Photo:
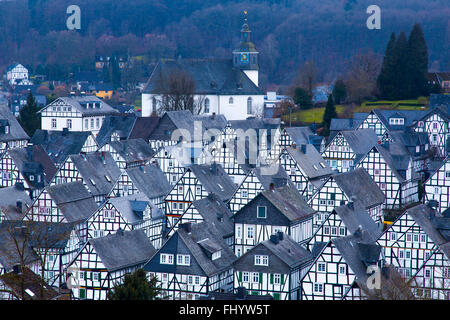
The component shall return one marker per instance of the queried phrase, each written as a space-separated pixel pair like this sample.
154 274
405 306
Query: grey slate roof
33 159
171 121
211 76
290 203
133 150
9 197
272 174
92 167
215 180
310 161
60 144
359 186
437 228
410 116
115 124
77 101
125 206
360 141
16 132
143 128
289 251
9 254
357 217
299 135
217 214
201 232
149 180
359 252
123 249
74 201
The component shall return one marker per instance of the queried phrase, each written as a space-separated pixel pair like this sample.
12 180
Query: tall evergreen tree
330 113
29 118
401 69
302 98
417 62
339 91
385 80
135 286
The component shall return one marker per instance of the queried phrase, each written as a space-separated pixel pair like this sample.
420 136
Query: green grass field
316 114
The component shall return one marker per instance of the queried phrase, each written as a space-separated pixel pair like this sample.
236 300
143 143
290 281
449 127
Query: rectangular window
321 267
244 194
92 123
166 258
318 287
245 277
97 123
255 278
261 260
342 270
53 123
250 232
69 123
262 212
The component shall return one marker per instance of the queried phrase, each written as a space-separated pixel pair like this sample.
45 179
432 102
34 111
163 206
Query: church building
222 86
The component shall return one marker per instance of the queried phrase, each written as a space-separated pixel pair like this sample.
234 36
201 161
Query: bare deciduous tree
177 92
361 78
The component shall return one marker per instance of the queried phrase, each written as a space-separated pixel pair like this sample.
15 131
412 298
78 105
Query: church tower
245 56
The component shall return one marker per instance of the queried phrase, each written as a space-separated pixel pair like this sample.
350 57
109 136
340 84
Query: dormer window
216 255
397 121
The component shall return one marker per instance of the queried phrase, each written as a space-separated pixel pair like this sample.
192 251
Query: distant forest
286 32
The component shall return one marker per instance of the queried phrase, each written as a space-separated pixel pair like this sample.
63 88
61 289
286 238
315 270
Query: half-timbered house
346 148
103 262
193 262
257 180
437 187
29 165
278 209
171 164
413 238
391 168
196 183
12 134
146 179
59 145
98 172
274 266
306 168
127 213
344 221
356 185
129 153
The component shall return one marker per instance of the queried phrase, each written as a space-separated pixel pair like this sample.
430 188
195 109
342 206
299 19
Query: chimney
294 146
186 227
19 186
213 116
274 238
272 186
213 168
280 235
386 144
240 293
30 153
102 156
17 269
19 206
303 148
351 205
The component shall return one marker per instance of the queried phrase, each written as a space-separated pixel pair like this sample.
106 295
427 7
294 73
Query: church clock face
244 57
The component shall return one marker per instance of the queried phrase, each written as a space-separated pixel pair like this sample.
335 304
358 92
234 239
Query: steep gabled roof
205 232
215 180
74 201
217 214
123 249
133 150
356 217
359 186
289 202
16 132
59 145
143 127
94 167
310 161
149 180
119 124
211 76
